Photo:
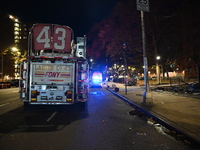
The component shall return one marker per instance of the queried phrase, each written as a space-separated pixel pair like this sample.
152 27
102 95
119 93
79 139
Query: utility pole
143 5
145 62
2 67
125 65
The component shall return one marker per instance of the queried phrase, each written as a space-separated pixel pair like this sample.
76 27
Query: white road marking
102 93
51 116
15 91
4 104
36 126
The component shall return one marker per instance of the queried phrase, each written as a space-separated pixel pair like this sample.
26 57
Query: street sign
143 5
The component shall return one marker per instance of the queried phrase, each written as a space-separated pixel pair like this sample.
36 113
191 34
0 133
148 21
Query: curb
184 137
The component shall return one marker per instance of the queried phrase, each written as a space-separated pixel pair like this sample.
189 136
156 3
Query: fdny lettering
44 67
52 74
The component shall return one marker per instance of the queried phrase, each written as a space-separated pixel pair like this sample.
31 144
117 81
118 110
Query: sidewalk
182 112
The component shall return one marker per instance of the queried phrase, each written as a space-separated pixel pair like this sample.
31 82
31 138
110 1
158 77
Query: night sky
80 15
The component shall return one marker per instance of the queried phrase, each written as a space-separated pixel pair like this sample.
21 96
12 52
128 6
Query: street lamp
158 57
2 67
14 49
91 60
157 69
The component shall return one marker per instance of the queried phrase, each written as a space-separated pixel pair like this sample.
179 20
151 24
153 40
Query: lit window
16 32
16 29
16 41
16 24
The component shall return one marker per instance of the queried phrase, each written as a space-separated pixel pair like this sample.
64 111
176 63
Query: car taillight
34 95
68 96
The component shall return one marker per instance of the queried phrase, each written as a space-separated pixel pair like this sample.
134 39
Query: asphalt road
104 124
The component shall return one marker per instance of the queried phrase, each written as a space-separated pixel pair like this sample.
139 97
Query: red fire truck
56 70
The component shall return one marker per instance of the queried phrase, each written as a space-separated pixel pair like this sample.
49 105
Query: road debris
141 133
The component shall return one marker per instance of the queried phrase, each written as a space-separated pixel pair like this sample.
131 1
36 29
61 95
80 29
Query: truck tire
78 107
26 106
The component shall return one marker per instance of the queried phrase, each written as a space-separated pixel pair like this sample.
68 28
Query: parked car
193 87
150 78
141 78
8 84
129 82
15 82
2 85
154 78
